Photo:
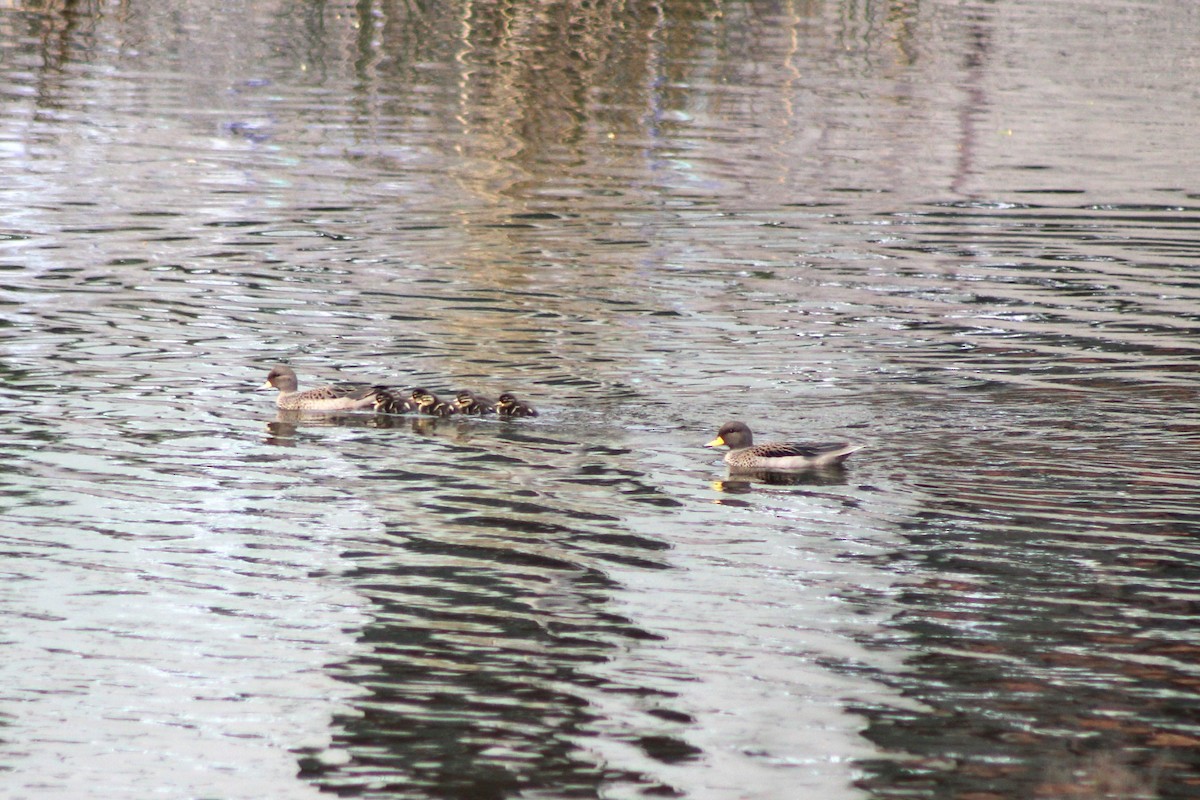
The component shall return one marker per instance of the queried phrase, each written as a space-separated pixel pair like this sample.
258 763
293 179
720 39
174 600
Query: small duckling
467 402
430 404
389 402
509 407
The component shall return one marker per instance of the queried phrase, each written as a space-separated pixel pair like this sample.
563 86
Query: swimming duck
745 455
432 405
509 407
467 402
333 397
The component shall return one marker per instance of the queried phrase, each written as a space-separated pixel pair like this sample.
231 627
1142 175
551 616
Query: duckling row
383 400
423 401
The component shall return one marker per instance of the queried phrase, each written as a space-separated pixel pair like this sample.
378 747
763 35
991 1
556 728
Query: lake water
965 233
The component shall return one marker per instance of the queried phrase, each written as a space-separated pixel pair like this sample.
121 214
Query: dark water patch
515 506
487 658
1021 667
479 679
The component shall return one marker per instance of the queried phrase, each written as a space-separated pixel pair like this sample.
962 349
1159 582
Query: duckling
333 397
745 455
467 402
432 405
509 407
389 402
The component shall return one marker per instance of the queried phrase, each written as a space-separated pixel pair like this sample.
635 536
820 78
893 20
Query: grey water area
963 233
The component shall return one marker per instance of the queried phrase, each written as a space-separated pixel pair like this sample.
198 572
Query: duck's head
281 377
734 435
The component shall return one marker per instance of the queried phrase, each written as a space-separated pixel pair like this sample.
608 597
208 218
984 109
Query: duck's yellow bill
266 385
717 442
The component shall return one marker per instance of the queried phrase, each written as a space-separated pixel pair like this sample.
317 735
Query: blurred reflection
743 482
485 666
286 425
1054 630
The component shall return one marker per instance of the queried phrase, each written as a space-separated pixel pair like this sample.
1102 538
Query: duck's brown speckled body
332 397
745 455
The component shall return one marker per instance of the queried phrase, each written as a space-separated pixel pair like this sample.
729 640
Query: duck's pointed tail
839 454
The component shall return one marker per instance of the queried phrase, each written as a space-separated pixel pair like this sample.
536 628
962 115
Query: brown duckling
430 404
509 407
467 402
390 402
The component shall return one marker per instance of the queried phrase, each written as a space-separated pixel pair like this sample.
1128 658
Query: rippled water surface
965 234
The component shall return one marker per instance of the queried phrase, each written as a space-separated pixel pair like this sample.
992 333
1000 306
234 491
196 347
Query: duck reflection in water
284 429
742 482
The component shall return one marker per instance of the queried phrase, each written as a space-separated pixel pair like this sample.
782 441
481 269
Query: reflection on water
744 481
489 590
962 231
478 667
1034 672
